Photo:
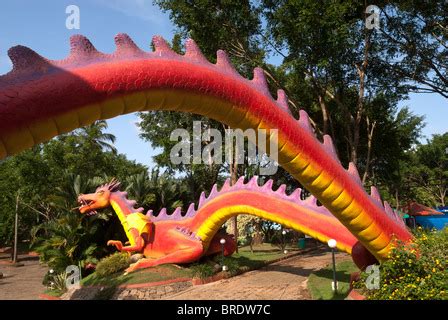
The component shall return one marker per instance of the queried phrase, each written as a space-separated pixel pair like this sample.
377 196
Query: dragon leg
189 253
137 246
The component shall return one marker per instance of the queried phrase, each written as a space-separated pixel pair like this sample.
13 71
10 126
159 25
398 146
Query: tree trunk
16 227
233 179
361 69
325 118
397 200
370 131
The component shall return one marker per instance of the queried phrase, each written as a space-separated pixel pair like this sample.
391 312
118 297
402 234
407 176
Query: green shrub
416 272
56 282
112 264
233 267
203 270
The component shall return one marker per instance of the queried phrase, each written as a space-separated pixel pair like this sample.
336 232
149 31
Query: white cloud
142 9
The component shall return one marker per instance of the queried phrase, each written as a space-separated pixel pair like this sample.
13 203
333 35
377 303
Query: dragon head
98 200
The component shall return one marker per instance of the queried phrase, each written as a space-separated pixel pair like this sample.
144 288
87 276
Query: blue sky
40 25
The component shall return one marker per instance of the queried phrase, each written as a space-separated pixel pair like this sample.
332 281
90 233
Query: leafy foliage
203 270
58 283
66 241
417 272
112 264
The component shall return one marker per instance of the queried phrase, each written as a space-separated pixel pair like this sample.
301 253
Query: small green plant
112 264
417 272
57 282
202 270
232 265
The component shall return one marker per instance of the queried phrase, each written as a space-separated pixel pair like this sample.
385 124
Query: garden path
283 280
21 283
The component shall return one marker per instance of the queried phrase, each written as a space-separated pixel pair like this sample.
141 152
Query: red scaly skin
40 99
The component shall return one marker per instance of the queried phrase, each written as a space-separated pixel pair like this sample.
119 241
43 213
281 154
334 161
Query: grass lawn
245 259
319 282
155 274
260 256
53 293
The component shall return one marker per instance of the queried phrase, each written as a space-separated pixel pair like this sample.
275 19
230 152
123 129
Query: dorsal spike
240 181
191 211
177 213
259 80
268 185
141 209
282 100
193 52
82 48
223 62
296 195
304 121
25 59
311 200
213 192
329 146
399 218
253 182
162 213
125 45
375 195
161 47
226 185
353 171
201 199
281 189
390 212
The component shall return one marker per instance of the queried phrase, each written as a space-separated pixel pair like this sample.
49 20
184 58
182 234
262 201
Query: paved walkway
21 283
284 280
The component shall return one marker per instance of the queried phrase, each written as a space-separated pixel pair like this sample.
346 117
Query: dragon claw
115 243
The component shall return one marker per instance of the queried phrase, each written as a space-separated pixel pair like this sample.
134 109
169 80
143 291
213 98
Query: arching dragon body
40 99
184 238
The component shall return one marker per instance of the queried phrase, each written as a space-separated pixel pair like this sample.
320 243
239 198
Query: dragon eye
100 192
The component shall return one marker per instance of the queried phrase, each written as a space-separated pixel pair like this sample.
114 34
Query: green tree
94 135
429 174
230 25
50 176
416 33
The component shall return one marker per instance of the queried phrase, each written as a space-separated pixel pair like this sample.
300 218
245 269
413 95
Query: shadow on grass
320 282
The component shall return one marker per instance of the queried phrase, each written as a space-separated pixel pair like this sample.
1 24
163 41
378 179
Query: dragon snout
86 205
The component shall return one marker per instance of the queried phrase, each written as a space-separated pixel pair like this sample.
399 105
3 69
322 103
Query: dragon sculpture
177 238
41 98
